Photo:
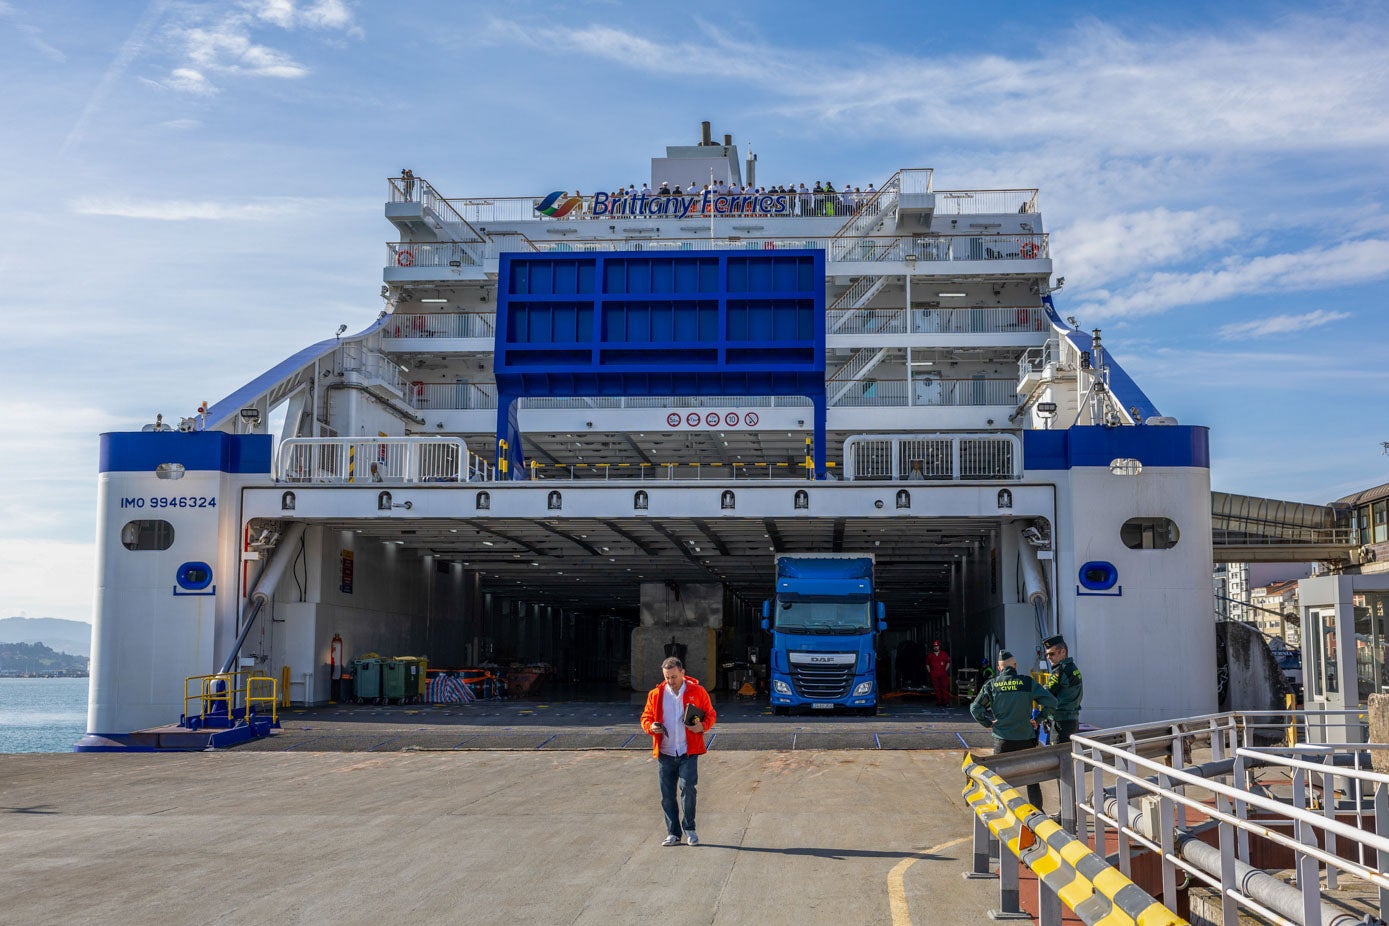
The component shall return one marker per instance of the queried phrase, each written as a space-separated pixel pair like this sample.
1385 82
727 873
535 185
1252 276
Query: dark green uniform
1004 705
1065 683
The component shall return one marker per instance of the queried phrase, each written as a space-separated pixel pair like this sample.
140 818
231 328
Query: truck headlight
781 687
862 688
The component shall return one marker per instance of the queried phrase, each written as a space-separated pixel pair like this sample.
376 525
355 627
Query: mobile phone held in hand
657 727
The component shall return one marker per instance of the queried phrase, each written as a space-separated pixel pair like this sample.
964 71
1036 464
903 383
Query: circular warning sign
692 419
731 419
712 419
673 419
752 419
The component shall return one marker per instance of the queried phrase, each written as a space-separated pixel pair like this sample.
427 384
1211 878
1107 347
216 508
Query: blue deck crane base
638 323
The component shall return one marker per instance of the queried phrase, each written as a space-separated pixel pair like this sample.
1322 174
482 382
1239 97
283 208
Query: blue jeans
684 769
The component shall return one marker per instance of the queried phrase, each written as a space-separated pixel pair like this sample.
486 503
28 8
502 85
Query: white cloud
187 80
228 49
1337 265
262 209
181 125
1094 252
1295 84
33 35
223 45
1280 324
172 210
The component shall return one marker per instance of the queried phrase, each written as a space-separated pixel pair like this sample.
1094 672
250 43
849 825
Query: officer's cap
1057 640
1004 655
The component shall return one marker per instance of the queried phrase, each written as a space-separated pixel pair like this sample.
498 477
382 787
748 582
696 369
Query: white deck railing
332 460
932 457
450 325
372 366
965 320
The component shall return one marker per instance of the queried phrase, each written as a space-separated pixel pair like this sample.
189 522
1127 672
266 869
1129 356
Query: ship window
1149 533
147 535
1379 512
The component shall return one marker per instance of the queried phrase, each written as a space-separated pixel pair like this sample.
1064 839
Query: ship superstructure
584 422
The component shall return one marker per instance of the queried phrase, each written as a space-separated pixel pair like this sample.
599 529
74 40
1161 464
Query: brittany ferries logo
547 205
650 204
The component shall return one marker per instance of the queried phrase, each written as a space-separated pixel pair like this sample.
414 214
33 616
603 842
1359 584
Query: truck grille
822 683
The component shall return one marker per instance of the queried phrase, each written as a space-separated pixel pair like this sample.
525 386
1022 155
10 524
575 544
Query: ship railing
934 457
417 189
871 248
479 211
715 471
985 202
405 254
1208 800
372 366
363 461
462 396
227 698
1312 795
953 320
442 325
867 212
1036 361
483 396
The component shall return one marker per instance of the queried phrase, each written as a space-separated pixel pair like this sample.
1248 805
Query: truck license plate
822 706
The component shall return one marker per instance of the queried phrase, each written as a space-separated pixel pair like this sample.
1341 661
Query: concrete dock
532 835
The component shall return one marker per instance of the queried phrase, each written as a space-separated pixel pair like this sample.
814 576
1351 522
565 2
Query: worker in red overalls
938 664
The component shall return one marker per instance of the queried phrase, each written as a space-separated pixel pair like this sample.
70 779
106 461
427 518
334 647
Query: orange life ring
405 259
1028 250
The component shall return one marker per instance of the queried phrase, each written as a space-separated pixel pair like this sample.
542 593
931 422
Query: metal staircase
854 369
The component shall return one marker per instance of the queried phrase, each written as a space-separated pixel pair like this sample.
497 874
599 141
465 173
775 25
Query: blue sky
194 190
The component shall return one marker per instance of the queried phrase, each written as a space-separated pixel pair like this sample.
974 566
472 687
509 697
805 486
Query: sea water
42 714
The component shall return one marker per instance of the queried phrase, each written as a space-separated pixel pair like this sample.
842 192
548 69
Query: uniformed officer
1065 683
1004 705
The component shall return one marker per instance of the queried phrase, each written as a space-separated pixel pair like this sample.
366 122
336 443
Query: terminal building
583 426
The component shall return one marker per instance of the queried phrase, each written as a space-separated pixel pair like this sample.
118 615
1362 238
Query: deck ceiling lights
433 300
950 295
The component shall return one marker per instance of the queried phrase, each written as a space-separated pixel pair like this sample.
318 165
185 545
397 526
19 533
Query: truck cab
824 623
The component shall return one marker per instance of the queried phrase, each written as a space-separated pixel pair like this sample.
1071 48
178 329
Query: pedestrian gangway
1246 529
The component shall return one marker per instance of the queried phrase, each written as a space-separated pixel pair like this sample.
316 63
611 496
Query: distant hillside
37 659
62 635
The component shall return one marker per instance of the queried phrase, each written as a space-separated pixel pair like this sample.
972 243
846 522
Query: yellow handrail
232 689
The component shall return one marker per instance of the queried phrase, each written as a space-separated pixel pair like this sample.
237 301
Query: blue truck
824 623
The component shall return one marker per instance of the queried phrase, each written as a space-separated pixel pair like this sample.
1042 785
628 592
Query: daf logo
822 659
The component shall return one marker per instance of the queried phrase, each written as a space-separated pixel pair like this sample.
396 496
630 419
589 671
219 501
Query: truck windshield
809 615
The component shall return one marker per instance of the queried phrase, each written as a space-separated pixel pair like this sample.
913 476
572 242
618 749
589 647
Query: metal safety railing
225 699
1318 805
451 325
872 248
932 457
1208 802
1009 831
365 461
714 471
963 320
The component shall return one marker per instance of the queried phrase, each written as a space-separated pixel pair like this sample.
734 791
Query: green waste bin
366 679
415 681
393 680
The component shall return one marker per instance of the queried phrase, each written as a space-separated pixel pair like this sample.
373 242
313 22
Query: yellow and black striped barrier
1096 891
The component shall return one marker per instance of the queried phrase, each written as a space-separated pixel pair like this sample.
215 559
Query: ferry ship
584 425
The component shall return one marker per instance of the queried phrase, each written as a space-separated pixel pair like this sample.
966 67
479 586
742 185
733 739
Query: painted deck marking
897 891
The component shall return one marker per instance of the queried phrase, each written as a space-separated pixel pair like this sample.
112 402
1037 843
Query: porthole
147 535
194 577
1149 533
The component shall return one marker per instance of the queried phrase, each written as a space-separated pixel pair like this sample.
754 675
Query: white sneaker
691 838
672 841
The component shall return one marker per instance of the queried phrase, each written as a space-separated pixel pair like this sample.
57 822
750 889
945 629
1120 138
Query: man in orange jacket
678 745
